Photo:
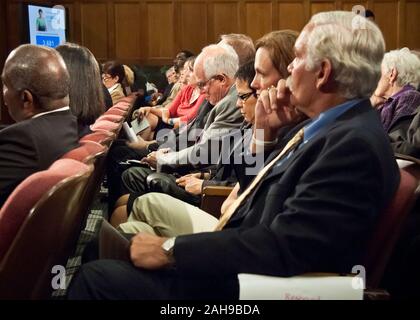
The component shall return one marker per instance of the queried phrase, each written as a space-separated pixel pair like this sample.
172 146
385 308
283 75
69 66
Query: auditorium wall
150 32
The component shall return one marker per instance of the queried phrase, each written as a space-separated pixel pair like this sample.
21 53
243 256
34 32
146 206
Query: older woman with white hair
396 96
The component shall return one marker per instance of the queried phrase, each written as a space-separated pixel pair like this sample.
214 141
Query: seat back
87 152
111 117
105 125
102 137
18 205
90 153
388 228
45 237
116 111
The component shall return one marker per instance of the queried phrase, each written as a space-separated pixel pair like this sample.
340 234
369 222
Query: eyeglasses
245 96
106 77
202 84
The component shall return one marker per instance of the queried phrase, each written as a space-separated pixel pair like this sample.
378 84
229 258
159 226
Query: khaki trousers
163 215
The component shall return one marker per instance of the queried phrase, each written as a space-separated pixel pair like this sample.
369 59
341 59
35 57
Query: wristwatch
168 248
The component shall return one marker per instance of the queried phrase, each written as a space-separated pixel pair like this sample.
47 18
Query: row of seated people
329 167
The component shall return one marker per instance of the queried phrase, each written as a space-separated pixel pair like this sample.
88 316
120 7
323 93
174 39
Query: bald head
42 72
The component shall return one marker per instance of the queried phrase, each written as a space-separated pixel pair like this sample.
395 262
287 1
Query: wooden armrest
212 198
217 191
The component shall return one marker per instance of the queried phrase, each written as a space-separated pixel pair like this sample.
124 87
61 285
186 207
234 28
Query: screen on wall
47 25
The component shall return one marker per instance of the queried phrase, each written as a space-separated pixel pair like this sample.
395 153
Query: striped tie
293 143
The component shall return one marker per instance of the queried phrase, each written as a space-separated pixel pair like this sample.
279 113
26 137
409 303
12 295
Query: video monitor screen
47 26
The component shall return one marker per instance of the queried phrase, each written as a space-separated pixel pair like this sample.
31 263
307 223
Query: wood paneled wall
151 31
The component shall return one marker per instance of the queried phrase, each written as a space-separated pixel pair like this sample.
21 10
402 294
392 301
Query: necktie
293 143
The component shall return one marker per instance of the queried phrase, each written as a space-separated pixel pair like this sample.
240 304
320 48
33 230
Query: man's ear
324 74
393 75
28 102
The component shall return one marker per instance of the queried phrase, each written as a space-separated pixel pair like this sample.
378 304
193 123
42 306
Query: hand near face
274 111
376 100
146 252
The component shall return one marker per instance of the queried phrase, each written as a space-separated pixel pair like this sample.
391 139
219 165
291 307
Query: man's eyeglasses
244 96
202 84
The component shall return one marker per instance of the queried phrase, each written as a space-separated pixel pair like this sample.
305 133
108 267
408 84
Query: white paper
131 135
260 287
139 126
404 163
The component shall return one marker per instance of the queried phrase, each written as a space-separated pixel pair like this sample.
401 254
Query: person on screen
41 25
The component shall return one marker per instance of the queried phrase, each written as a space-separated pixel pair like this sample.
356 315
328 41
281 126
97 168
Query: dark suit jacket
33 145
314 212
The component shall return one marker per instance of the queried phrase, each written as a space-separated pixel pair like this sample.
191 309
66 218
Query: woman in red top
182 110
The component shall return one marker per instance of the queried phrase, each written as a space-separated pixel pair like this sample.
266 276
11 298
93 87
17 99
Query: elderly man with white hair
396 96
313 206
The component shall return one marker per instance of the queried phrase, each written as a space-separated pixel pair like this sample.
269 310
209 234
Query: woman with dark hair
112 77
86 95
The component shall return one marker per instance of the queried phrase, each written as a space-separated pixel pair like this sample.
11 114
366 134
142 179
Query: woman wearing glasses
112 77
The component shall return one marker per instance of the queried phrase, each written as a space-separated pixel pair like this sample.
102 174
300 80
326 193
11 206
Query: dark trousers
139 181
120 280
119 152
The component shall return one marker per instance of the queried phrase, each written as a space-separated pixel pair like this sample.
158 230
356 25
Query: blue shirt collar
325 118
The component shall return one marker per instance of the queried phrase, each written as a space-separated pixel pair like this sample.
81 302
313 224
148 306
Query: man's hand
143 112
146 252
274 111
140 144
194 185
183 180
152 158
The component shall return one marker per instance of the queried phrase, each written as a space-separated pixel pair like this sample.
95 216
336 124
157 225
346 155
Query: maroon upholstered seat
106 126
102 137
388 228
39 225
86 152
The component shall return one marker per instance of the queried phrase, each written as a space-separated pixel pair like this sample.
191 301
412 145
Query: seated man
36 92
396 96
216 80
313 206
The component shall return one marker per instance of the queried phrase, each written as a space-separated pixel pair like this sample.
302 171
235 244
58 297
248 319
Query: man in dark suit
313 206
35 88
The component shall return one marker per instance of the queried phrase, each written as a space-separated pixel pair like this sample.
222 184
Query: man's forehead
302 40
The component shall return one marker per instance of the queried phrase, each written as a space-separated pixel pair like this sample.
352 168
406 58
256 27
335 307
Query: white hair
355 47
406 63
219 59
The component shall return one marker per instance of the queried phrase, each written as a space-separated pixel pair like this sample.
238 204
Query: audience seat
87 152
116 111
105 125
102 137
111 117
37 228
